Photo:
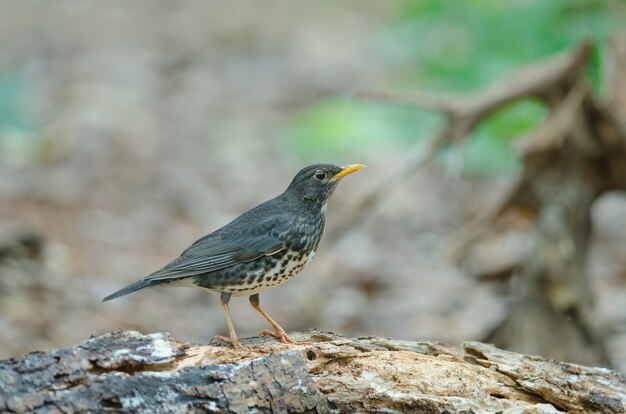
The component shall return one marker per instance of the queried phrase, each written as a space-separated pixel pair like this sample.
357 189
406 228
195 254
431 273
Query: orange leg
233 340
279 332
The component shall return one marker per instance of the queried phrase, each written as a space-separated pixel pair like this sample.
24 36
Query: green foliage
11 90
18 143
454 46
466 44
345 126
488 151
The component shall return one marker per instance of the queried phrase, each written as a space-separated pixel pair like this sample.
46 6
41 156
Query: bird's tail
143 283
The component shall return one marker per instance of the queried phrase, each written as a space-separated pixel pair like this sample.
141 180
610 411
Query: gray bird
261 249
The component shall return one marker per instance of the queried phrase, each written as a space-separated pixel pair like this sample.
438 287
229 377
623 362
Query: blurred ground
148 124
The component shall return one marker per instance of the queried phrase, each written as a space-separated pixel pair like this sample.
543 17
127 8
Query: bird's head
317 182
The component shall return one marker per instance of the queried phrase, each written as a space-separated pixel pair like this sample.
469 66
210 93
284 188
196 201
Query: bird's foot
278 334
233 341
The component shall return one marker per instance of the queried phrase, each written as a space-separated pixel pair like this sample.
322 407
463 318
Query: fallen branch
573 157
462 113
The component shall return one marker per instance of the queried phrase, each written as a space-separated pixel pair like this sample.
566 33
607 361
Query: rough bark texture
130 372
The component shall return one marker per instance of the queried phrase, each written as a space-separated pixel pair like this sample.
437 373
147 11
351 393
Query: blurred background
130 129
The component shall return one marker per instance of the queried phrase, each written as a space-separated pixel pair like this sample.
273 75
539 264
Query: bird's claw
278 334
233 341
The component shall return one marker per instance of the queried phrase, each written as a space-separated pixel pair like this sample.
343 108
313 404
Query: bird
263 248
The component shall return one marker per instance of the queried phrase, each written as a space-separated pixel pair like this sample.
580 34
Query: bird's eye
320 175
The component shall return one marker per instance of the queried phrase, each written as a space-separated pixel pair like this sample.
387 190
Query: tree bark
129 372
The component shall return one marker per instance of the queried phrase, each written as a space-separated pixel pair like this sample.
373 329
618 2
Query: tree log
130 372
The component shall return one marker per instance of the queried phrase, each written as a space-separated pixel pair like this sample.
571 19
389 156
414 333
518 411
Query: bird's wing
227 247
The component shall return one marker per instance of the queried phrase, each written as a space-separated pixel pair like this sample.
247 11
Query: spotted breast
258 275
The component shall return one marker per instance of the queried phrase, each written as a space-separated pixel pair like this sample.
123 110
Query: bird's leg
224 299
279 332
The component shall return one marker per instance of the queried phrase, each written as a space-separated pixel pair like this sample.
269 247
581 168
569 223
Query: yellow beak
348 169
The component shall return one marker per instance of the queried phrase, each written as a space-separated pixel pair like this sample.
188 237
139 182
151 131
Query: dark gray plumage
262 248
